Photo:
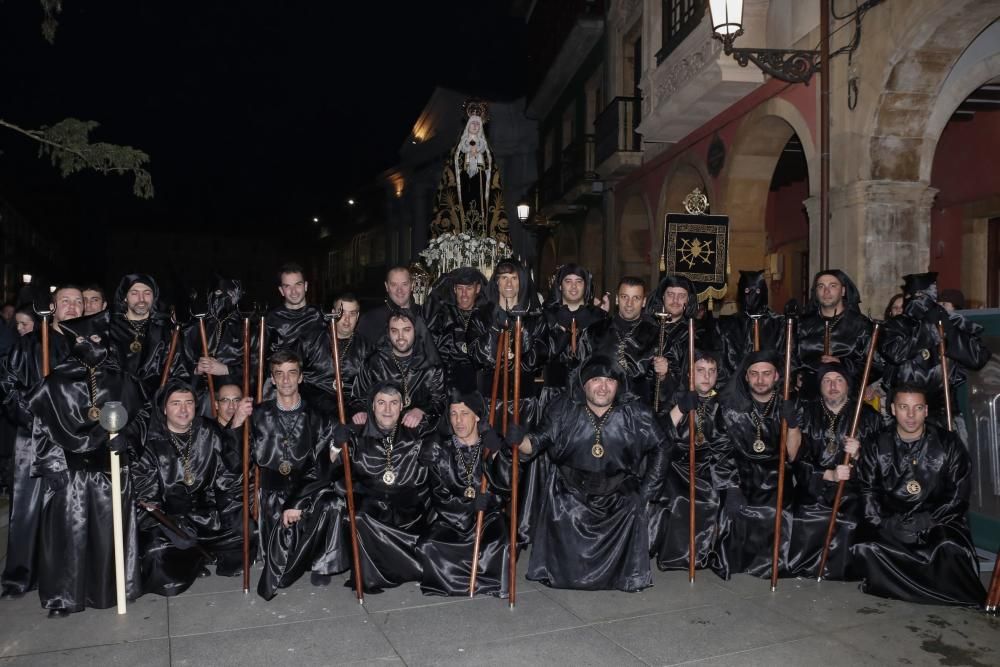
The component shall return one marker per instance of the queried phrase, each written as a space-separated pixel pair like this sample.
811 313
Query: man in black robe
463 451
915 484
353 348
818 469
391 491
453 301
910 343
736 332
568 312
608 457
76 566
716 480
20 375
224 335
398 296
672 305
833 331
628 338
290 440
752 408
406 357
301 328
141 330
186 471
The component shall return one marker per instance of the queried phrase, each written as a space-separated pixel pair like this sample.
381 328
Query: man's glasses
231 401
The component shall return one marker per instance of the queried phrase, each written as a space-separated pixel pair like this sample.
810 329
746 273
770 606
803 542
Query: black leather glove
57 481
118 444
482 502
341 433
687 401
503 318
735 500
790 413
515 434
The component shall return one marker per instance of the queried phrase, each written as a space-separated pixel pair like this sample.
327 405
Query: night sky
255 114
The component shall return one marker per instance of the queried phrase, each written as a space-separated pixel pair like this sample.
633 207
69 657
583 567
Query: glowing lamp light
523 210
727 16
26 278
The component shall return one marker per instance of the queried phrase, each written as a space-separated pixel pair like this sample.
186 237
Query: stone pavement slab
148 653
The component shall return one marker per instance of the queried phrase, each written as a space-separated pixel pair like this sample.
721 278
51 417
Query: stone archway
634 239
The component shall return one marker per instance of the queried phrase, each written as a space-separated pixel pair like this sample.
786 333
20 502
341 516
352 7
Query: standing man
20 375
399 296
227 400
568 313
405 357
753 408
453 302
834 316
628 338
301 328
140 332
736 331
915 486
676 298
94 300
818 469
354 349
608 458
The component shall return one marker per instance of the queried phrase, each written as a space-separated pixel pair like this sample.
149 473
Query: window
679 18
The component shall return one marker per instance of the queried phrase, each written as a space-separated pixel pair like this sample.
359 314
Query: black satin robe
814 496
20 375
76 567
391 518
307 450
424 383
373 323
602 338
909 342
353 353
446 547
146 364
562 359
675 349
748 545
450 330
850 338
734 335
715 473
917 547
305 332
593 529
225 345
197 510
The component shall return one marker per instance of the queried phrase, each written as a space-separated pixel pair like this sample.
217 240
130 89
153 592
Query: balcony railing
615 128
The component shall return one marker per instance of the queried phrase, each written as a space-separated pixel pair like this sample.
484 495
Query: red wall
964 172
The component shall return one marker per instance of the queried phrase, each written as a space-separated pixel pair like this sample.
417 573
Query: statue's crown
476 107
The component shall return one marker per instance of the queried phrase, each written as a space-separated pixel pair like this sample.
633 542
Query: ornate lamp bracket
792 65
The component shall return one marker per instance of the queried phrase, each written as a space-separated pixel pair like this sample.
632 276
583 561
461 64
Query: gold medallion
831 446
510 356
189 479
759 446
285 468
925 353
94 413
464 348
597 451
699 439
470 492
913 487
389 477
136 347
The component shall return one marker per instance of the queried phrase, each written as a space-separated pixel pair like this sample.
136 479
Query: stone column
879 231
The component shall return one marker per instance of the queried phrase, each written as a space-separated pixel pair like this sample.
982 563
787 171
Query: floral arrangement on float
450 251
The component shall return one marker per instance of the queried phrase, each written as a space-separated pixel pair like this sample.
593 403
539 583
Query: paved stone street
739 622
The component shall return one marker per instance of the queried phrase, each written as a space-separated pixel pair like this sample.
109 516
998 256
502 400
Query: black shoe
58 613
203 572
10 594
318 579
223 571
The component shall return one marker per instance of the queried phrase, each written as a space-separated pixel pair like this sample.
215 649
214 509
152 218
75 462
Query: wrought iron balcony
618 148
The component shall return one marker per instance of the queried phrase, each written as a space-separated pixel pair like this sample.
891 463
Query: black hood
600 365
852 297
555 295
473 400
919 282
526 296
443 289
752 293
158 417
736 393
838 369
371 429
655 302
224 297
88 351
424 352
125 284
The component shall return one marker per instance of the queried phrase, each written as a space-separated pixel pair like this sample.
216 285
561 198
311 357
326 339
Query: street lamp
523 210
26 278
792 65
540 226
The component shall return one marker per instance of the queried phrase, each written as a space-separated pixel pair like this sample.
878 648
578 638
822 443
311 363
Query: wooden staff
45 346
572 337
781 457
346 457
756 332
942 352
664 317
246 459
692 442
479 529
515 462
171 351
506 384
826 337
993 596
169 524
501 346
261 363
847 457
208 376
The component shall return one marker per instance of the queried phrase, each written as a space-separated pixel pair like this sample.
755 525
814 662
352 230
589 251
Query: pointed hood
752 293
